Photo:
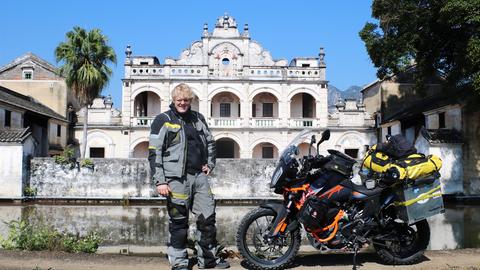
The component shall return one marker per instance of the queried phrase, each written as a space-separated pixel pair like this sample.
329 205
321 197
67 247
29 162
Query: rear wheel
260 251
403 244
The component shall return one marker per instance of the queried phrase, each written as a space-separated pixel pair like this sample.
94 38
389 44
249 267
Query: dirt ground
24 260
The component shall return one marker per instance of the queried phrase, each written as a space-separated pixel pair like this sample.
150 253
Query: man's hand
206 169
163 190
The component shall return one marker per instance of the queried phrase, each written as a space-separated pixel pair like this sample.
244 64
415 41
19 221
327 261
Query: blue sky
287 29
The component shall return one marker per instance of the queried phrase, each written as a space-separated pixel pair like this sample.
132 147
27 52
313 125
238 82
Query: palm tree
85 56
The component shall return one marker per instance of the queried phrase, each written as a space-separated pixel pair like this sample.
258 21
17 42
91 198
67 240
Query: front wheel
403 244
260 251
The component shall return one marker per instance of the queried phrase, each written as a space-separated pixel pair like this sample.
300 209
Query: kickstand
355 251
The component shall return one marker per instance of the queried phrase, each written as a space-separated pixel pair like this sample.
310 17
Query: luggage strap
424 196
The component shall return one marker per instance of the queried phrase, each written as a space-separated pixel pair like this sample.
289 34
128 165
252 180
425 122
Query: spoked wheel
404 244
260 251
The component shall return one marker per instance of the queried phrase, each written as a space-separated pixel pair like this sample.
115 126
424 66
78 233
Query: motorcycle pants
191 192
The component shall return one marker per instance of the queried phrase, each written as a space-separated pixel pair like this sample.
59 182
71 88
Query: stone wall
13 167
120 178
451 172
471 150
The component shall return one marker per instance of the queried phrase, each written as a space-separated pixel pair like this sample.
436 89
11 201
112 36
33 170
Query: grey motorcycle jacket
168 145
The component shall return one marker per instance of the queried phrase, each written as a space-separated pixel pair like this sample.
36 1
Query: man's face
182 104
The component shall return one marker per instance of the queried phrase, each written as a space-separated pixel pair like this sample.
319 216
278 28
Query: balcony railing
238 123
303 123
143 121
264 122
225 122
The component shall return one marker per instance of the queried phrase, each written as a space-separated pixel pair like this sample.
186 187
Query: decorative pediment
191 56
226 49
226 21
258 56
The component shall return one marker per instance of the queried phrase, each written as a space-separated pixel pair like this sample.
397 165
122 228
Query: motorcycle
335 213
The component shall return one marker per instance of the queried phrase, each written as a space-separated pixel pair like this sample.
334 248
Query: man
181 155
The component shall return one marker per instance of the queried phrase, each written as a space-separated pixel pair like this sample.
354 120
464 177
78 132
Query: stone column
322 107
287 111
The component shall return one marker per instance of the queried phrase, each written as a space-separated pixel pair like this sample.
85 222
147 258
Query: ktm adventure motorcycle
334 212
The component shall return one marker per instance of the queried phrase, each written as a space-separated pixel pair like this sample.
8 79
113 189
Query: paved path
21 260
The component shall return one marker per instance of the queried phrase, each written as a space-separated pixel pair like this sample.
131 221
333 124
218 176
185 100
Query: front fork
281 223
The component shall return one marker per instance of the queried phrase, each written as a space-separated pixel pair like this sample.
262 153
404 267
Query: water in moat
147 225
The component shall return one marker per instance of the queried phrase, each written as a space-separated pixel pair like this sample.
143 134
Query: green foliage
436 35
67 157
61 160
30 192
87 244
87 163
85 55
27 236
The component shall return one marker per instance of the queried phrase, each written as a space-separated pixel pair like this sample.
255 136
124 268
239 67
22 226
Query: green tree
437 35
85 55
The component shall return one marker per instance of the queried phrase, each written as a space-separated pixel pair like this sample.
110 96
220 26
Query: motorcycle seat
362 189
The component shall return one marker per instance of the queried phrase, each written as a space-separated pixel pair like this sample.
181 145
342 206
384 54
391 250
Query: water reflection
145 225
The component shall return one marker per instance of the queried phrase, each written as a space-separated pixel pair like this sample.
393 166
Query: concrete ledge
136 250
448 199
461 199
130 200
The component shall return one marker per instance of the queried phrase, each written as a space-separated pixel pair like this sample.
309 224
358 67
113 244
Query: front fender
281 214
277 207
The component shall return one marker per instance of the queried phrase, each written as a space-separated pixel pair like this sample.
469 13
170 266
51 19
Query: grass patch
26 236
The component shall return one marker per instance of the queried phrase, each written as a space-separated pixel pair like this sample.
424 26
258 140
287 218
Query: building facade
253 104
36 79
48 128
435 121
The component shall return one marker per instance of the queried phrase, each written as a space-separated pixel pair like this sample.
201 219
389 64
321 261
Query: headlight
276 175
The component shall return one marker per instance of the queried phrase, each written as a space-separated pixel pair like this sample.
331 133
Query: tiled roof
26 57
12 135
442 135
416 108
27 103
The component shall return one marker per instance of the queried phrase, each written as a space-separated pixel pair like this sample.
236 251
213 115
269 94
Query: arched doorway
265 150
303 110
225 110
145 107
140 150
265 110
227 148
303 149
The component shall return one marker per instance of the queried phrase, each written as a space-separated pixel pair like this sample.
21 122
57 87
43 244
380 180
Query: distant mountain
334 94
352 92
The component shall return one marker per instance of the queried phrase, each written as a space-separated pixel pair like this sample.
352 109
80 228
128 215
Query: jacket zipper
184 148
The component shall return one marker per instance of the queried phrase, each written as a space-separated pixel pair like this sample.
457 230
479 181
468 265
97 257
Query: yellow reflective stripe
171 125
152 148
423 196
180 196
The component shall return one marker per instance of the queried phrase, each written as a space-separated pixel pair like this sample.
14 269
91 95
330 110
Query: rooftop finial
226 21
205 30
128 53
245 31
321 56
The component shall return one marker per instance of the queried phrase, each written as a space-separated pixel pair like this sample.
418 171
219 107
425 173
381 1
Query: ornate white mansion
253 103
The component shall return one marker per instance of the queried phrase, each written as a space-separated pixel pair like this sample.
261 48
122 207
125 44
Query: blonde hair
182 91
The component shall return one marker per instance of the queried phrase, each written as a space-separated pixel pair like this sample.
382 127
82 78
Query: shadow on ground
325 260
